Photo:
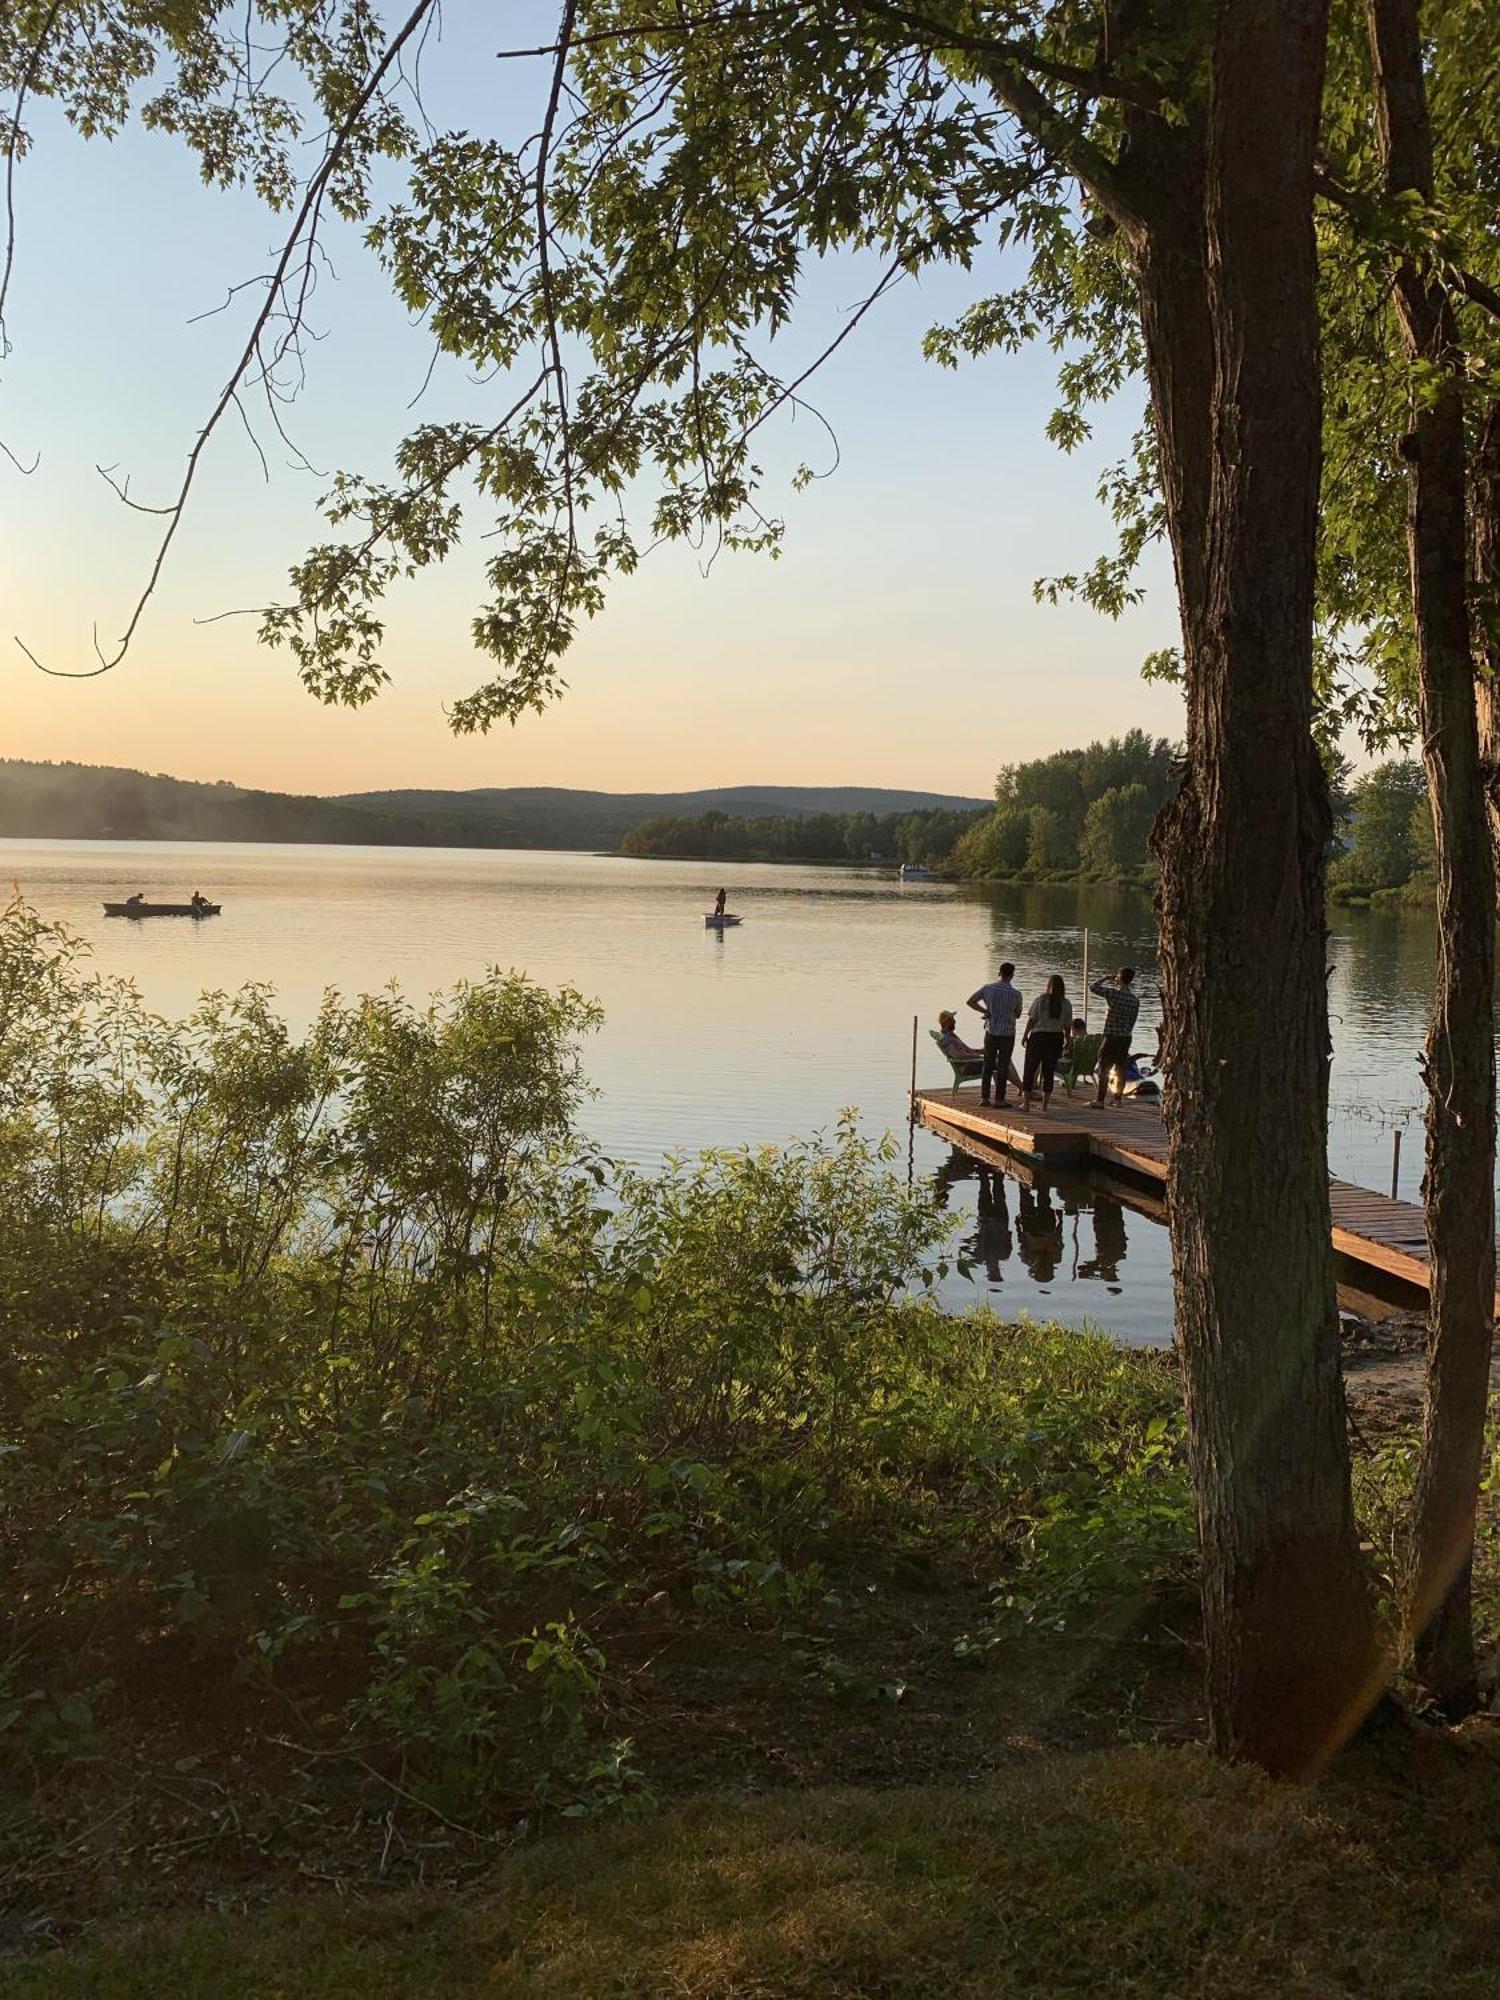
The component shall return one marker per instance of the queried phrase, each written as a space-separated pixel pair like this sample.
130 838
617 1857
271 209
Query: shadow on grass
1129 1872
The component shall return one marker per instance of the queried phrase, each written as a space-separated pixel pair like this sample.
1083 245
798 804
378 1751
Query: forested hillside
101 802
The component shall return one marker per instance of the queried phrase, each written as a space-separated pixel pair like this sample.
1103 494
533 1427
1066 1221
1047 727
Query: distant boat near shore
162 909
724 923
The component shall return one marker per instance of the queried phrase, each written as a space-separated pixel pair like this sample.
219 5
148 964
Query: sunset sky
896 641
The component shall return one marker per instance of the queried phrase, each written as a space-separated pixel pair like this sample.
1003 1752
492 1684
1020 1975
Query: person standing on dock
1047 1028
1000 1004
1122 1005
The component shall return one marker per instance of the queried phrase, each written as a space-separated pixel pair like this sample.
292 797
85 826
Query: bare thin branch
121 491
646 30
308 209
544 269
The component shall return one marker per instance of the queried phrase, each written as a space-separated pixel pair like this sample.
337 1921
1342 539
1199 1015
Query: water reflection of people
1109 1241
1039 1233
993 1242
957 1167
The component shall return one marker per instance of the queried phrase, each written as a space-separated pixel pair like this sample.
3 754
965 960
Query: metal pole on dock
1395 1160
1086 977
911 1109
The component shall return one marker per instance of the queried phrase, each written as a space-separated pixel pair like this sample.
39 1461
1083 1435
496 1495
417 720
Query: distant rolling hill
102 802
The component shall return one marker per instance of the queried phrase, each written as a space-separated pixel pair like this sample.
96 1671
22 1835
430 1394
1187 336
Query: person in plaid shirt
1123 1004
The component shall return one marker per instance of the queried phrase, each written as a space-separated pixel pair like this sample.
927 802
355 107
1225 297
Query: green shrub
341 1376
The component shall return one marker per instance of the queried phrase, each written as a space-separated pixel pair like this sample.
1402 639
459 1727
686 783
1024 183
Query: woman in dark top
1048 1022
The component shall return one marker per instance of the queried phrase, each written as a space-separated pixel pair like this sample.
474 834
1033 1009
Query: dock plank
1368 1228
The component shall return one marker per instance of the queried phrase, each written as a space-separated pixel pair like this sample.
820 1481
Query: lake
757 1036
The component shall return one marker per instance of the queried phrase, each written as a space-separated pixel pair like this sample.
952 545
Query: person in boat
1048 1026
199 902
135 902
1121 1007
719 902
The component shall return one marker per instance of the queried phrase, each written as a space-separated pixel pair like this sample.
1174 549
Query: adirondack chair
1069 1073
966 1069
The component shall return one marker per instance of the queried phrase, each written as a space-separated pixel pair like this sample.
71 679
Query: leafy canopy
622 275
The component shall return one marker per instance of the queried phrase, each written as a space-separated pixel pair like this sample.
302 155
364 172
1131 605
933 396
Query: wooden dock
1369 1229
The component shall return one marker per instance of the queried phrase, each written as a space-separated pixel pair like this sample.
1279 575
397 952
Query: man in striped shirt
1122 1006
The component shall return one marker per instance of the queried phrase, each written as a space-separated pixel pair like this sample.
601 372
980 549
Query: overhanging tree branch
307 210
1365 209
1003 68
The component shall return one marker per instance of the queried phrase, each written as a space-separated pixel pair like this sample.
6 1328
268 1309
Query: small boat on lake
141 909
724 923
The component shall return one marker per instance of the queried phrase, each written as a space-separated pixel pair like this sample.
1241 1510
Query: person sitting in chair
954 1047
1080 1055
958 1051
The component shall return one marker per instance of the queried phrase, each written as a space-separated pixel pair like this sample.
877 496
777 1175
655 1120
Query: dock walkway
1368 1228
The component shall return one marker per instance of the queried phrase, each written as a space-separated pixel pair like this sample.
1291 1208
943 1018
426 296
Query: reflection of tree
1383 962
1109 1241
1039 1233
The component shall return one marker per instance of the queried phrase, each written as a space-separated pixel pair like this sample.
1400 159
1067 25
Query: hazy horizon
623 790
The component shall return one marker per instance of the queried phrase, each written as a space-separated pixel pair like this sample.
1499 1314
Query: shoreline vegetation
1077 818
398 1499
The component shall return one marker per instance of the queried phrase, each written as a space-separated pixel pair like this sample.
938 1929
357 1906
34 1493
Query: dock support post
1395 1160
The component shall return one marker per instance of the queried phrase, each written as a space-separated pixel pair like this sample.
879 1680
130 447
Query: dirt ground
1384 1364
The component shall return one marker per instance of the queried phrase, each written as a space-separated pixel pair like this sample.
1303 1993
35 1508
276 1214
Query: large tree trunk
1458 1189
1484 490
1292 1660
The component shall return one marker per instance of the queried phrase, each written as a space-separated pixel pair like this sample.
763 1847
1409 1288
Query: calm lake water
762 1035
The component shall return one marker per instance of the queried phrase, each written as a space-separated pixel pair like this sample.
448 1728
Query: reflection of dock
1369 1229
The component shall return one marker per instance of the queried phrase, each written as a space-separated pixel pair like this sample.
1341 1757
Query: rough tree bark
1292 1658
1484 509
1458 1188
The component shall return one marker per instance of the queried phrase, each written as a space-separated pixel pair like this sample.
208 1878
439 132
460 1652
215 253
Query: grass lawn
1133 1871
